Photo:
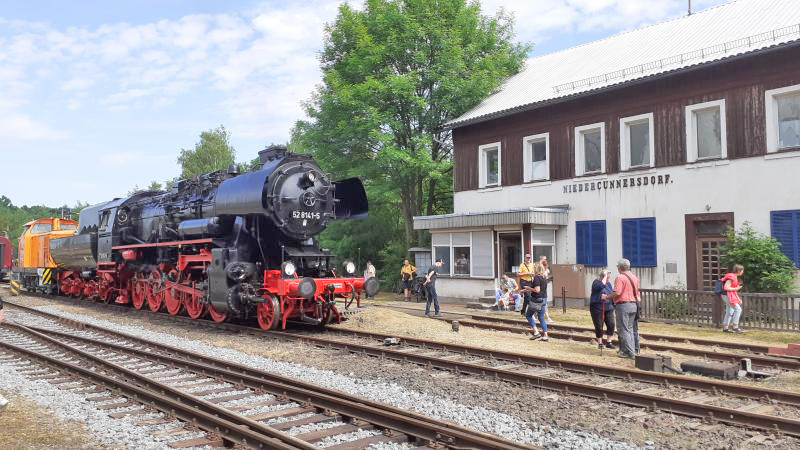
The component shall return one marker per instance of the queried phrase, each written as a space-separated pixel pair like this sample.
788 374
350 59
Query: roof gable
718 33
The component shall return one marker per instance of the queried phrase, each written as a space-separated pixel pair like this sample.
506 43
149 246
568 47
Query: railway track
725 402
735 351
333 413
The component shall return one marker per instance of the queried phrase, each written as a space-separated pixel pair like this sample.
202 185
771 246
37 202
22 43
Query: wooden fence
765 311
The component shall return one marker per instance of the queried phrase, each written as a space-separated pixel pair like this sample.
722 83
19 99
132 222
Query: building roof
732 29
538 216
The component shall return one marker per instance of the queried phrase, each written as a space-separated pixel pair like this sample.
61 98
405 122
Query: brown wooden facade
741 82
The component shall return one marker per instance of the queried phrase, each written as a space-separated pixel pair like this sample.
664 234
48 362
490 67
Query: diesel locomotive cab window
42 228
68 226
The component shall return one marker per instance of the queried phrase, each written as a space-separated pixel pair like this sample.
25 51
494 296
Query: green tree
767 269
393 74
155 186
213 152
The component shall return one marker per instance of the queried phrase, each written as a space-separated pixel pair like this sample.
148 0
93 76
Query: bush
673 306
766 268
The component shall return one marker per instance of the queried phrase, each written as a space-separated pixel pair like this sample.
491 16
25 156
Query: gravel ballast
473 417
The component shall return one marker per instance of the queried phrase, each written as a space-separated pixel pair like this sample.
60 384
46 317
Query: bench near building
646 145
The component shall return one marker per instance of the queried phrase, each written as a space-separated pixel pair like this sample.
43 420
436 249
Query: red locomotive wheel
172 296
269 314
216 316
139 292
155 291
193 304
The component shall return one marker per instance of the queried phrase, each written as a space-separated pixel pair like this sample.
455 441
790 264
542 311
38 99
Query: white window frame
482 169
527 155
579 151
625 145
771 113
691 130
452 251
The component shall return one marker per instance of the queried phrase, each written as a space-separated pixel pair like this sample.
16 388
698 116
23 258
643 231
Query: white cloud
20 127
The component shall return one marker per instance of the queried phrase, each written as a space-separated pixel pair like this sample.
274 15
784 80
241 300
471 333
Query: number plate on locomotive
306 215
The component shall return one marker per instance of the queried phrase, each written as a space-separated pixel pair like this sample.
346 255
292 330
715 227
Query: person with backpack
733 307
626 305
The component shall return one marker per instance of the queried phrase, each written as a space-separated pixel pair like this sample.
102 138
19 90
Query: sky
97 97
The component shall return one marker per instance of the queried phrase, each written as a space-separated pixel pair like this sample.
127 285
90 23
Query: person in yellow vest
525 274
407 273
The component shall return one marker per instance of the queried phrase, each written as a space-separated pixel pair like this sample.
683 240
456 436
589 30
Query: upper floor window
782 108
706 136
42 228
536 151
489 165
636 142
590 149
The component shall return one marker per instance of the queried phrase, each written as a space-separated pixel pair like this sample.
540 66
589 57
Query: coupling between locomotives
227 245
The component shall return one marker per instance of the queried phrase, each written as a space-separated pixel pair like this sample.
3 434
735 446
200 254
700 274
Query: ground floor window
639 241
590 243
464 254
543 243
785 228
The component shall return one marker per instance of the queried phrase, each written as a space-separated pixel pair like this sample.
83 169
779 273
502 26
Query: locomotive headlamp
288 268
311 177
349 267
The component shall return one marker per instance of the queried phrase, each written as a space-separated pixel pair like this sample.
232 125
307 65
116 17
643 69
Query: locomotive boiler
227 244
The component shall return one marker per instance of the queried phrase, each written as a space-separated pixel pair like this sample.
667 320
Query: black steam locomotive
227 244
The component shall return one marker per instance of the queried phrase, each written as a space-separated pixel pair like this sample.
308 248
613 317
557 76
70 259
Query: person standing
369 271
602 309
733 307
430 289
407 274
537 302
626 305
525 274
549 278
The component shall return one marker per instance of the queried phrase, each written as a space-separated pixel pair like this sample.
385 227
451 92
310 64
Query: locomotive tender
225 244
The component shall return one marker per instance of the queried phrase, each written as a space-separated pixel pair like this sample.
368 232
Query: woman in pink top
733 310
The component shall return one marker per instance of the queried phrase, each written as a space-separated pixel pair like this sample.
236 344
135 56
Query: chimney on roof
690 8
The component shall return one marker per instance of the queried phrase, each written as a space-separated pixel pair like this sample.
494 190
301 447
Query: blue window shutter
581 242
647 242
784 228
630 240
598 255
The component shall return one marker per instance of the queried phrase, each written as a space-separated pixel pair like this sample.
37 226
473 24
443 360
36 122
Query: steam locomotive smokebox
724 371
653 363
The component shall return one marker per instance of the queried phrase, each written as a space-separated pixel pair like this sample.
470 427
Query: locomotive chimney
271 152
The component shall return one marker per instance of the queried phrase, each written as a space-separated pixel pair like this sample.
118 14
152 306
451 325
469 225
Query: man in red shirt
626 304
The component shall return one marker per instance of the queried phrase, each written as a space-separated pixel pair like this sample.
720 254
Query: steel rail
383 416
757 359
205 415
753 348
632 398
665 379
681 407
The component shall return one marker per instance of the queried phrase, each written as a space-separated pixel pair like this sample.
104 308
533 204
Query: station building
645 145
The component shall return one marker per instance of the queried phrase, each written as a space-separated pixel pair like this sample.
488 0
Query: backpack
718 287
